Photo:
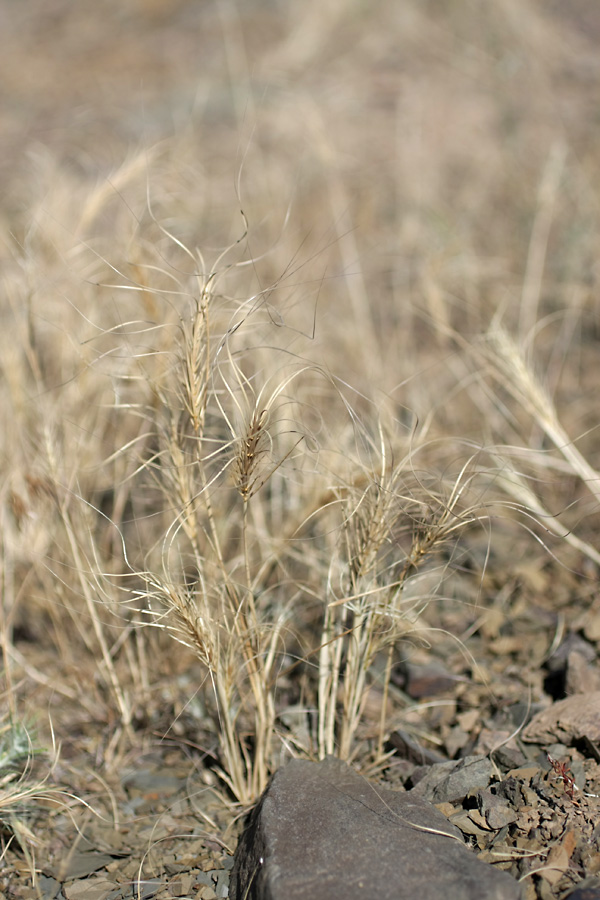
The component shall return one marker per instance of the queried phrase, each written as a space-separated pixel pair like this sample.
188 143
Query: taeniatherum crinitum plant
270 515
222 440
23 792
265 514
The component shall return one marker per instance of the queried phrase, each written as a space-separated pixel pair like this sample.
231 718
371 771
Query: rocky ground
519 777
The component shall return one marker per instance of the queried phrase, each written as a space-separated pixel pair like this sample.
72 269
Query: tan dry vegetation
289 333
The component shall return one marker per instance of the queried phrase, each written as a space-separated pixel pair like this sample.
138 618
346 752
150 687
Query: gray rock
450 781
323 832
508 758
587 890
565 721
407 748
495 810
420 681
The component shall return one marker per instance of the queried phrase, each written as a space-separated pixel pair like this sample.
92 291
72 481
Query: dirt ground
156 822
439 159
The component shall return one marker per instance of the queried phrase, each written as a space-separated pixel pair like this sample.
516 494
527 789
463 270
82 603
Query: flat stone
322 831
407 748
419 681
90 889
450 781
566 721
495 809
589 890
582 676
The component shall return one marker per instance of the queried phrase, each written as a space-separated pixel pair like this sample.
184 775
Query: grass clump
228 488
284 522
23 790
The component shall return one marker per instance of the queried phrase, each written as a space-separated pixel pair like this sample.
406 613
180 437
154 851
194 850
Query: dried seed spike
249 450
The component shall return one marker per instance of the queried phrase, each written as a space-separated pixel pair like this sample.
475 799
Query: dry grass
270 433
25 790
